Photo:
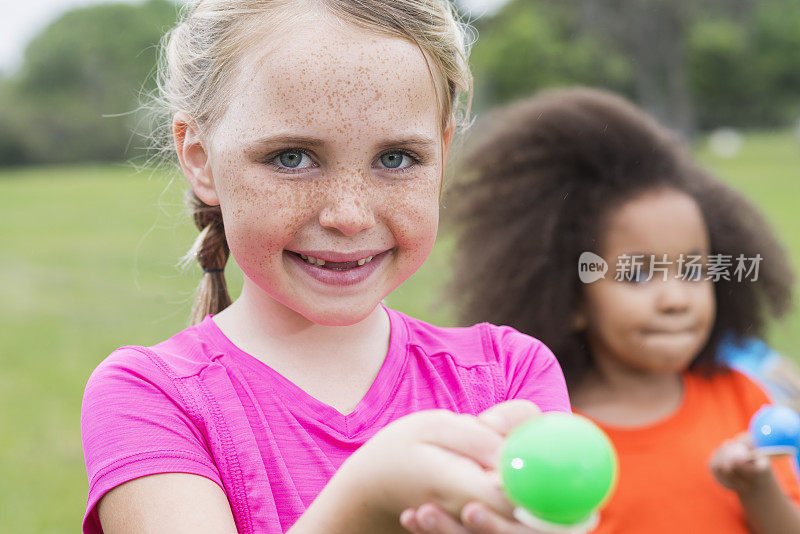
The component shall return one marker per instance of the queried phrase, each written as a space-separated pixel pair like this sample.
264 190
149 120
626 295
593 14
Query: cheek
412 212
706 303
613 315
618 303
261 215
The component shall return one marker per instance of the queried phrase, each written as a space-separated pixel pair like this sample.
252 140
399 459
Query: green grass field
87 261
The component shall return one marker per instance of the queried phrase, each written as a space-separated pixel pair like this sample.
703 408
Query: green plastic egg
559 467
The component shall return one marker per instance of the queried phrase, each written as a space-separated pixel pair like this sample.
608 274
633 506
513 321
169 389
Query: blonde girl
313 135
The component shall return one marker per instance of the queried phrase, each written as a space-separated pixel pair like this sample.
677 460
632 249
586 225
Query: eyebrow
413 140
646 257
315 142
286 139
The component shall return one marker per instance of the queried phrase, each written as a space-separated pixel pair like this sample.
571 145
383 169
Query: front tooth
312 260
370 258
304 256
320 262
362 261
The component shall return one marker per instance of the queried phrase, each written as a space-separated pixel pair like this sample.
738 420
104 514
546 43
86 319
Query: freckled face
331 147
653 326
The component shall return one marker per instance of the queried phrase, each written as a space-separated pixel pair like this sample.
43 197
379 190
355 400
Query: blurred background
92 234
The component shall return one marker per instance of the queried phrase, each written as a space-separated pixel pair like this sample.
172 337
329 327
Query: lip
332 277
328 255
690 330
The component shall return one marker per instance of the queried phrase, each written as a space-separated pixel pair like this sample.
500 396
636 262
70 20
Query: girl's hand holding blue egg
739 466
742 464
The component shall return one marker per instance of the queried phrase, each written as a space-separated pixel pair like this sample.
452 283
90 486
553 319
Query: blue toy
775 373
776 430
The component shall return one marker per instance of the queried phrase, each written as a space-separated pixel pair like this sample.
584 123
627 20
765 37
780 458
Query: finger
408 520
723 471
432 519
466 481
744 437
469 448
730 464
506 416
733 456
756 465
466 436
481 520
736 465
762 462
744 459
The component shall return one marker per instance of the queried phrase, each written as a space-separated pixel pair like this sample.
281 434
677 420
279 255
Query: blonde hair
199 54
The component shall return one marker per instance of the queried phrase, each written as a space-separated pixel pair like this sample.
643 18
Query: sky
21 20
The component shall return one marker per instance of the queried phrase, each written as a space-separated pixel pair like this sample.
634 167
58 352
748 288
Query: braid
211 251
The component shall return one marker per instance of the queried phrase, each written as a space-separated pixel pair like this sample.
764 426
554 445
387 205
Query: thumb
467 450
506 416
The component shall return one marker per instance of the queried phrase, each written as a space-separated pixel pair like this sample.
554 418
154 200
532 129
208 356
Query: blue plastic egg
776 430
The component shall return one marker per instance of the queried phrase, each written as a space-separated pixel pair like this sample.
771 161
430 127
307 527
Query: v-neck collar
299 401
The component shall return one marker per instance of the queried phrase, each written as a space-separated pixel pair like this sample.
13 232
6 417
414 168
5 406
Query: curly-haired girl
586 224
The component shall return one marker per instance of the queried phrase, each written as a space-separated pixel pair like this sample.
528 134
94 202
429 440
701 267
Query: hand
475 517
433 456
738 466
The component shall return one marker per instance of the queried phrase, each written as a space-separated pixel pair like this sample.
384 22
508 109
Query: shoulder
183 355
752 393
521 366
141 416
732 389
733 381
135 375
482 343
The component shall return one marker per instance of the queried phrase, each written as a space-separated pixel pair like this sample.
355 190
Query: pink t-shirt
196 403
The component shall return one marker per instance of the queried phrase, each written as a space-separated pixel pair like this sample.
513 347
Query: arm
768 509
340 509
444 460
430 456
136 430
169 503
143 452
180 503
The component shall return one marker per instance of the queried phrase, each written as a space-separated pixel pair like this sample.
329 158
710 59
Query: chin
675 363
342 315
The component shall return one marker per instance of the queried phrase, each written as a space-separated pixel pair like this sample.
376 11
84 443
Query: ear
447 139
579 319
193 156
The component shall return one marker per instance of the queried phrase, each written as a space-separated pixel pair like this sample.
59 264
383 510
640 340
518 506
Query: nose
673 295
348 209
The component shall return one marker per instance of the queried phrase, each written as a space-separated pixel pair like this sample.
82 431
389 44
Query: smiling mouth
336 265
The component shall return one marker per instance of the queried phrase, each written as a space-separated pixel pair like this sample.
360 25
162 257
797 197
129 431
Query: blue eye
293 159
395 160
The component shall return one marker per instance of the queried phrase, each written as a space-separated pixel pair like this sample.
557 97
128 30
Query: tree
530 45
748 75
88 63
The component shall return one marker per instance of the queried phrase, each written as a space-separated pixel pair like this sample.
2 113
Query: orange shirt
665 485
